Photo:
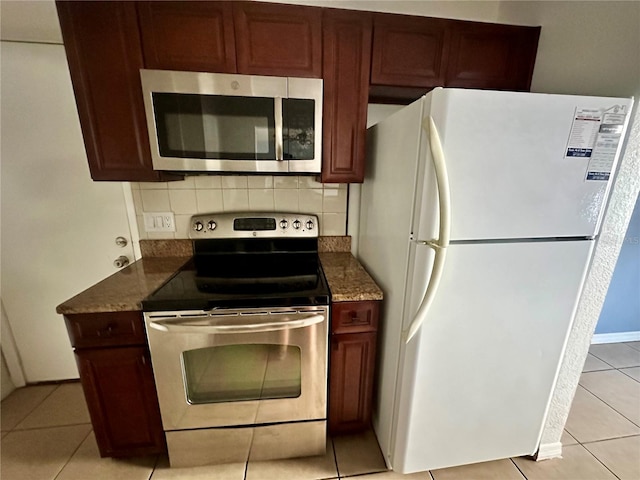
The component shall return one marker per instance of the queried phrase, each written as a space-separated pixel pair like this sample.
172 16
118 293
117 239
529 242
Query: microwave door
302 125
219 132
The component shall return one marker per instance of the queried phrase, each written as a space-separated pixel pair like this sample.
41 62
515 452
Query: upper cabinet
232 37
283 40
408 52
194 36
104 53
347 43
361 56
499 57
412 55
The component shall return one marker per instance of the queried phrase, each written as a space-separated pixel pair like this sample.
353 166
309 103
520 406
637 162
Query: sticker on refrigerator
595 135
603 155
582 138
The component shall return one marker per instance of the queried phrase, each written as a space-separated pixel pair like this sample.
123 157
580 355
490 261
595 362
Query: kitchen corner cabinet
352 357
346 66
411 55
103 50
483 55
117 380
408 52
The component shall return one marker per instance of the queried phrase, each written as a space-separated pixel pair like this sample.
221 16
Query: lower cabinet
118 383
352 365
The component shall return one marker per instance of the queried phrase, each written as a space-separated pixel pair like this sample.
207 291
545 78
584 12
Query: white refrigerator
478 218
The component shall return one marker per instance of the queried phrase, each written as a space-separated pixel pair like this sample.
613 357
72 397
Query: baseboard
547 451
615 337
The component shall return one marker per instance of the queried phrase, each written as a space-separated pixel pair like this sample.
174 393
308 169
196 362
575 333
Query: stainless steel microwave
214 122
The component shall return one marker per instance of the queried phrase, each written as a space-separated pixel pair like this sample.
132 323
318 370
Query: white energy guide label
595 135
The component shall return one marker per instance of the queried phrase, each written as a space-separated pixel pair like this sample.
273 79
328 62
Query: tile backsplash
220 193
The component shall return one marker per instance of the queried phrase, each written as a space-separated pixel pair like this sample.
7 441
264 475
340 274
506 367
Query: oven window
235 373
215 126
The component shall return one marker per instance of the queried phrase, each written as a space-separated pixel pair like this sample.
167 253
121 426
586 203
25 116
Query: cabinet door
104 53
120 391
195 36
491 56
346 65
408 51
278 39
352 364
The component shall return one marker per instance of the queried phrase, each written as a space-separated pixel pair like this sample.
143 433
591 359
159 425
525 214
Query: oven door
239 367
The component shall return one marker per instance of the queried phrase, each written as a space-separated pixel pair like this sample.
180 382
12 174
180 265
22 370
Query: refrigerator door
510 167
475 382
386 215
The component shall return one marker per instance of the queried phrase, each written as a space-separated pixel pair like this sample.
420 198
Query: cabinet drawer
105 329
354 317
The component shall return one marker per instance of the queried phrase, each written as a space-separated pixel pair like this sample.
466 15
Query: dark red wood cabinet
352 357
346 66
412 55
408 52
499 57
117 380
362 57
282 40
104 53
192 36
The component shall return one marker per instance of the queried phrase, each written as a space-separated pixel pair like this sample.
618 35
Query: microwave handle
278 119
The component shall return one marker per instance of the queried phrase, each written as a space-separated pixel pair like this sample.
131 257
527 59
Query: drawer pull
354 319
106 331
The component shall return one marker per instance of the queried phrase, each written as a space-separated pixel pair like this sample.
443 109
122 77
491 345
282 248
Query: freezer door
475 382
513 163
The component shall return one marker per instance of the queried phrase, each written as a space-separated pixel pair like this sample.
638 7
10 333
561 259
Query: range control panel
254 225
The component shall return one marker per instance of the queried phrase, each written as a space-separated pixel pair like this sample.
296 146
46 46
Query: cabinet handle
106 331
144 360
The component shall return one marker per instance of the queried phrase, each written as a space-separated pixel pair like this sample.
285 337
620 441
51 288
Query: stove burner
245 271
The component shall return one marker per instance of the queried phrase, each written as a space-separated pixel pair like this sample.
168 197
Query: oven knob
309 224
197 226
297 224
284 223
212 225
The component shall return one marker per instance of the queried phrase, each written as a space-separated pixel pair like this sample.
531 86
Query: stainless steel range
238 342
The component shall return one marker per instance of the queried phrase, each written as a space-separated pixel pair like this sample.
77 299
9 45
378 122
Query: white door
58 226
509 172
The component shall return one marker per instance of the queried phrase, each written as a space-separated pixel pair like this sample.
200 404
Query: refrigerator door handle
440 245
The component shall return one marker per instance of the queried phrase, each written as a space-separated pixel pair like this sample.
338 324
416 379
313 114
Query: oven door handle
196 325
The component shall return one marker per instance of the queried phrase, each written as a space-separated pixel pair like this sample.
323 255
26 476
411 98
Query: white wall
478 10
586 47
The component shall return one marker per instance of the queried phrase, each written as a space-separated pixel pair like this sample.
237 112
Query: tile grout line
610 406
516 465
155 465
600 461
44 427
590 353
72 454
34 408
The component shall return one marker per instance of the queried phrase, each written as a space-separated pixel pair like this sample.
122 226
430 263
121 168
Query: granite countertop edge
126 288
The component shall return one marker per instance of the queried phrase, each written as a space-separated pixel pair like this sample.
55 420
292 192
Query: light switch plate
159 222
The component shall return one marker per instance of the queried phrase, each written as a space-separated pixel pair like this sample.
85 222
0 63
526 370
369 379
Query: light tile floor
46 435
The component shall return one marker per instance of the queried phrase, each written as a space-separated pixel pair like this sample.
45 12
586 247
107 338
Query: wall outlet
159 222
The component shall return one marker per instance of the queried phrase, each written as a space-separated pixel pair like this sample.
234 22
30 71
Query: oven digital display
254 224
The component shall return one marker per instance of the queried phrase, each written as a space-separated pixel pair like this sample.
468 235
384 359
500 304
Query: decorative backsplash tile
221 193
